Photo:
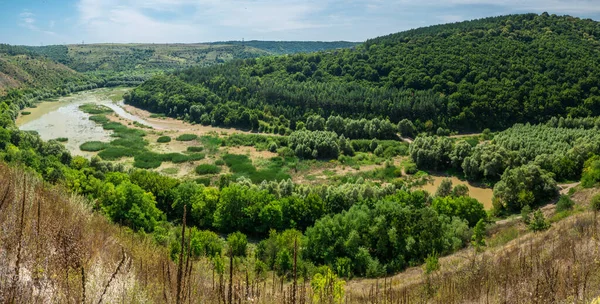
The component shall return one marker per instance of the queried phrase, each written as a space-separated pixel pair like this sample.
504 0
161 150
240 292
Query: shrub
164 139
538 223
410 168
187 137
595 203
62 139
100 119
95 109
25 113
116 152
564 203
207 169
181 158
203 181
195 149
591 172
147 160
93 146
220 162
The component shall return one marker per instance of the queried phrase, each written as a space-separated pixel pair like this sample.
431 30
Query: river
63 118
483 195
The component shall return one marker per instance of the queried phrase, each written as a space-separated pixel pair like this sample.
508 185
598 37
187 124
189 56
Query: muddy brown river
483 195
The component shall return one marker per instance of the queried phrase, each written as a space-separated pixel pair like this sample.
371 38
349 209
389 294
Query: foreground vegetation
60 251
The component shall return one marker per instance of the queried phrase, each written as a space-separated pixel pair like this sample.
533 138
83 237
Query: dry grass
54 249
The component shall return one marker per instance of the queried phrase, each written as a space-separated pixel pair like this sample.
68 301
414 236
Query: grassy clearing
141 125
170 171
130 142
211 142
386 173
260 142
95 109
204 169
241 165
164 139
151 160
187 137
116 153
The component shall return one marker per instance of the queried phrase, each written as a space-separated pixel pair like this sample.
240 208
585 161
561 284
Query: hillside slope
143 57
293 47
491 72
20 68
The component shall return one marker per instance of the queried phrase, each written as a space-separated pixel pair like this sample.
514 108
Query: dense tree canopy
490 72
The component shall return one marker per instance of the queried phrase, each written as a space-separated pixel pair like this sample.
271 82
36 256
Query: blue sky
35 22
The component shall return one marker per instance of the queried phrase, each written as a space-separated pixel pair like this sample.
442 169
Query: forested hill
293 47
491 72
20 68
149 57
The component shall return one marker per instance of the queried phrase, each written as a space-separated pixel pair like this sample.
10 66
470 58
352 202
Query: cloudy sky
35 22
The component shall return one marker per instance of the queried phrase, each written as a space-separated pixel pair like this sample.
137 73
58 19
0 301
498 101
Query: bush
203 181
116 152
100 119
181 158
564 203
93 146
195 149
95 109
207 169
591 172
25 113
410 168
220 162
187 137
595 203
147 160
538 223
164 139
62 139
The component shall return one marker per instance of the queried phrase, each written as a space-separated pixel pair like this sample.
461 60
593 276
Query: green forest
487 73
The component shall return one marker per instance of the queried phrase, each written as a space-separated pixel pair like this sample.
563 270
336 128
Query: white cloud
210 20
28 20
193 20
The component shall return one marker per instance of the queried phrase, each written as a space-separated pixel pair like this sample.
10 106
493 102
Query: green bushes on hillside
164 139
187 137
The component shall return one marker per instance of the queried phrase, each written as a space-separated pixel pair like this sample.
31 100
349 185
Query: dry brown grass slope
54 249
